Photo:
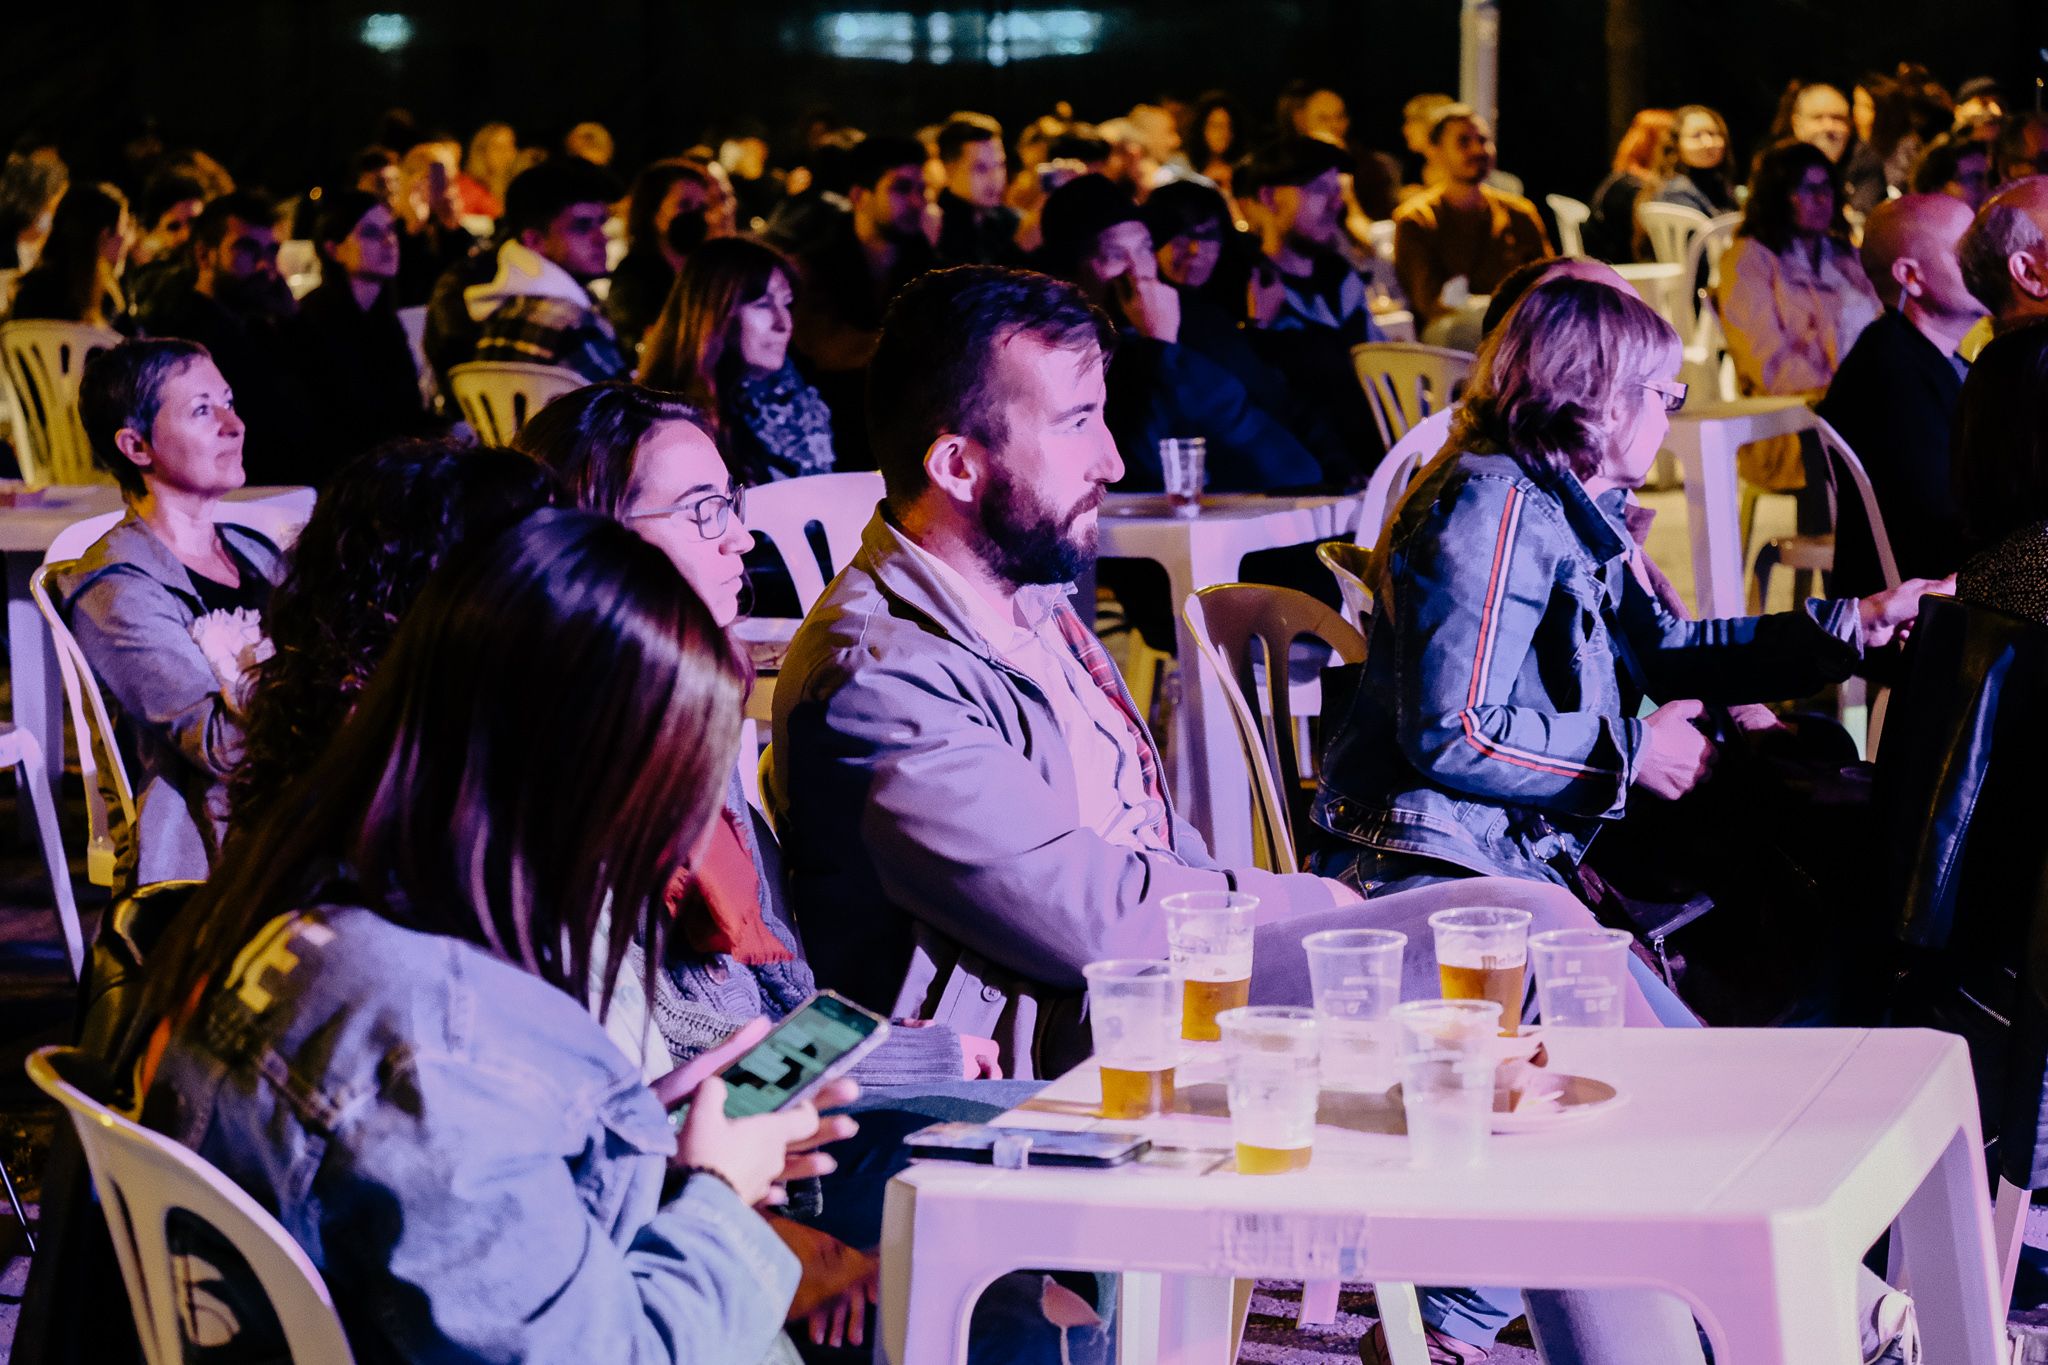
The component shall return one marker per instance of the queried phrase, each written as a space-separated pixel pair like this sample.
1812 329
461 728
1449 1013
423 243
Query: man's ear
2029 271
956 466
134 447
1906 275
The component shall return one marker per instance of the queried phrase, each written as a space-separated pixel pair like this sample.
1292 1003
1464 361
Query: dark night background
284 92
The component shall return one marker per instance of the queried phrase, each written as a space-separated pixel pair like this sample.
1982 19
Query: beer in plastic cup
1483 954
1355 977
1448 1056
1270 1054
1209 934
1134 1012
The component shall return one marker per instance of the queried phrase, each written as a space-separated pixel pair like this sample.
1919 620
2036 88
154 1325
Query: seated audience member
2001 475
537 308
1817 114
1292 190
1894 397
1956 166
352 349
78 276
1159 388
1979 101
2022 147
669 216
1895 115
1793 300
851 269
376 172
2004 255
402 946
237 305
722 342
591 142
1215 137
1463 236
431 235
168 606
492 160
30 187
975 226
1612 233
1692 168
757 187
165 212
1418 118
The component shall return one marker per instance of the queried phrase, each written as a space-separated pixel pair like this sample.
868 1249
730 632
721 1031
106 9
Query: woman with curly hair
383 525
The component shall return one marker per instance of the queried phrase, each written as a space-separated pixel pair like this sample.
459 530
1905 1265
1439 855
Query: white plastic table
1704 437
1205 769
27 529
1748 1170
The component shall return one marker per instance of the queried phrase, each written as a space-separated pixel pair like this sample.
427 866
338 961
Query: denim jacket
1496 724
474 1168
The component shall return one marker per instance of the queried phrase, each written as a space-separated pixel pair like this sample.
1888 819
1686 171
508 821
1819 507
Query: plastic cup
1181 462
1209 934
1581 976
1270 1055
1448 1056
1483 954
1355 978
1134 1012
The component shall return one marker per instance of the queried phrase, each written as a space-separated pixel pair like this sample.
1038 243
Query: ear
1906 275
2029 272
957 466
134 447
532 239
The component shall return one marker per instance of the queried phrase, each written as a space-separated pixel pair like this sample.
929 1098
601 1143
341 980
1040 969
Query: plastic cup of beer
1483 954
1448 1057
1209 934
1581 976
1181 462
1270 1058
1355 978
1134 1012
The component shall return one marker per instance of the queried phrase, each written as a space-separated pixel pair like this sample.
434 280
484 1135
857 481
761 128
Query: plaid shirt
543 330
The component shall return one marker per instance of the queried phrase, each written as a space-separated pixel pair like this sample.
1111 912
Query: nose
1109 462
231 423
737 539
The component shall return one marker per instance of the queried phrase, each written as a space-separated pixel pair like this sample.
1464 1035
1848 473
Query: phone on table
1048 1146
817 1042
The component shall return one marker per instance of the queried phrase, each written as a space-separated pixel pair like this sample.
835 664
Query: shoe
1892 1336
1444 1349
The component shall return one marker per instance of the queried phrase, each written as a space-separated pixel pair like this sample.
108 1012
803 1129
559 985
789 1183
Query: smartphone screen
798 1053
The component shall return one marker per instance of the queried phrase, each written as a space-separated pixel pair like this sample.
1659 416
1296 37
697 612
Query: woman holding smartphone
381 1016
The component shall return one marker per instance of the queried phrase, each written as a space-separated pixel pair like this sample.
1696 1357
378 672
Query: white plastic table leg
35 782
1796 1308
1707 454
925 1307
1197 1319
1318 1302
1401 1314
1949 1259
32 670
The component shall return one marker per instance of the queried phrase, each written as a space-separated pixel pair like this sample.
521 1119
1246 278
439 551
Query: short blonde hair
1558 383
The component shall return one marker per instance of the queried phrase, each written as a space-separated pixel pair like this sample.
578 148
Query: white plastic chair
1571 215
1405 383
44 362
1708 368
142 1178
840 505
298 261
414 322
1395 471
1670 228
497 396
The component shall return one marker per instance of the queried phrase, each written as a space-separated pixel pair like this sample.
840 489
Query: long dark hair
547 739
2000 459
690 348
1778 171
71 256
382 526
590 436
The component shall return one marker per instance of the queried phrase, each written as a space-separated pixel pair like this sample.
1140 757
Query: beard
1025 542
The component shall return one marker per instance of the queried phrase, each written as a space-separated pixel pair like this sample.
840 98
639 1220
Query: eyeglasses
710 514
1672 393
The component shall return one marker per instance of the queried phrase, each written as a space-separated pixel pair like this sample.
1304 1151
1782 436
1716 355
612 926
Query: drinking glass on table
1483 954
1355 978
1209 934
1581 976
1448 1057
1134 1013
1181 461
1270 1056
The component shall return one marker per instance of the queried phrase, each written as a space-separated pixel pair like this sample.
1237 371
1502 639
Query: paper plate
1556 1099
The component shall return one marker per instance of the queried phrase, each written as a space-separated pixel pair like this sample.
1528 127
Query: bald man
2005 254
1894 397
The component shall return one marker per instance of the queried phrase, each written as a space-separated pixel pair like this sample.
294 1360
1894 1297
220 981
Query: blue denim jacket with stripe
1511 648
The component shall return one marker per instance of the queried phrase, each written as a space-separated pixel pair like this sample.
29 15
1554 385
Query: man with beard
236 304
970 804
1461 237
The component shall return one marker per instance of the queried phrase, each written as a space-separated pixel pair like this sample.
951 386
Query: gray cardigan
935 856
131 605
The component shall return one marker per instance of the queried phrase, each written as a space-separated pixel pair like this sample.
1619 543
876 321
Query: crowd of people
483 894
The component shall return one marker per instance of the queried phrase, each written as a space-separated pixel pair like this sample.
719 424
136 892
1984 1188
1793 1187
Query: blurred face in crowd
1310 215
1972 183
1191 258
1464 148
1820 118
1038 506
1125 249
1416 120
761 326
893 207
248 252
2030 157
683 197
1157 130
1813 203
1218 131
1979 109
591 141
1919 233
574 239
195 444
370 251
1701 145
979 175
381 181
1324 116
1862 112
498 153
745 157
672 504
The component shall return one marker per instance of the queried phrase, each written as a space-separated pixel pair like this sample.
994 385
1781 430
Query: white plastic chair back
44 362
1405 383
1846 461
1670 228
299 262
279 518
414 322
1571 215
838 504
91 725
142 1179
1350 564
497 396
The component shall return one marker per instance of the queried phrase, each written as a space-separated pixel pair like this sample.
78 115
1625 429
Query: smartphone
817 1042
1049 1146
